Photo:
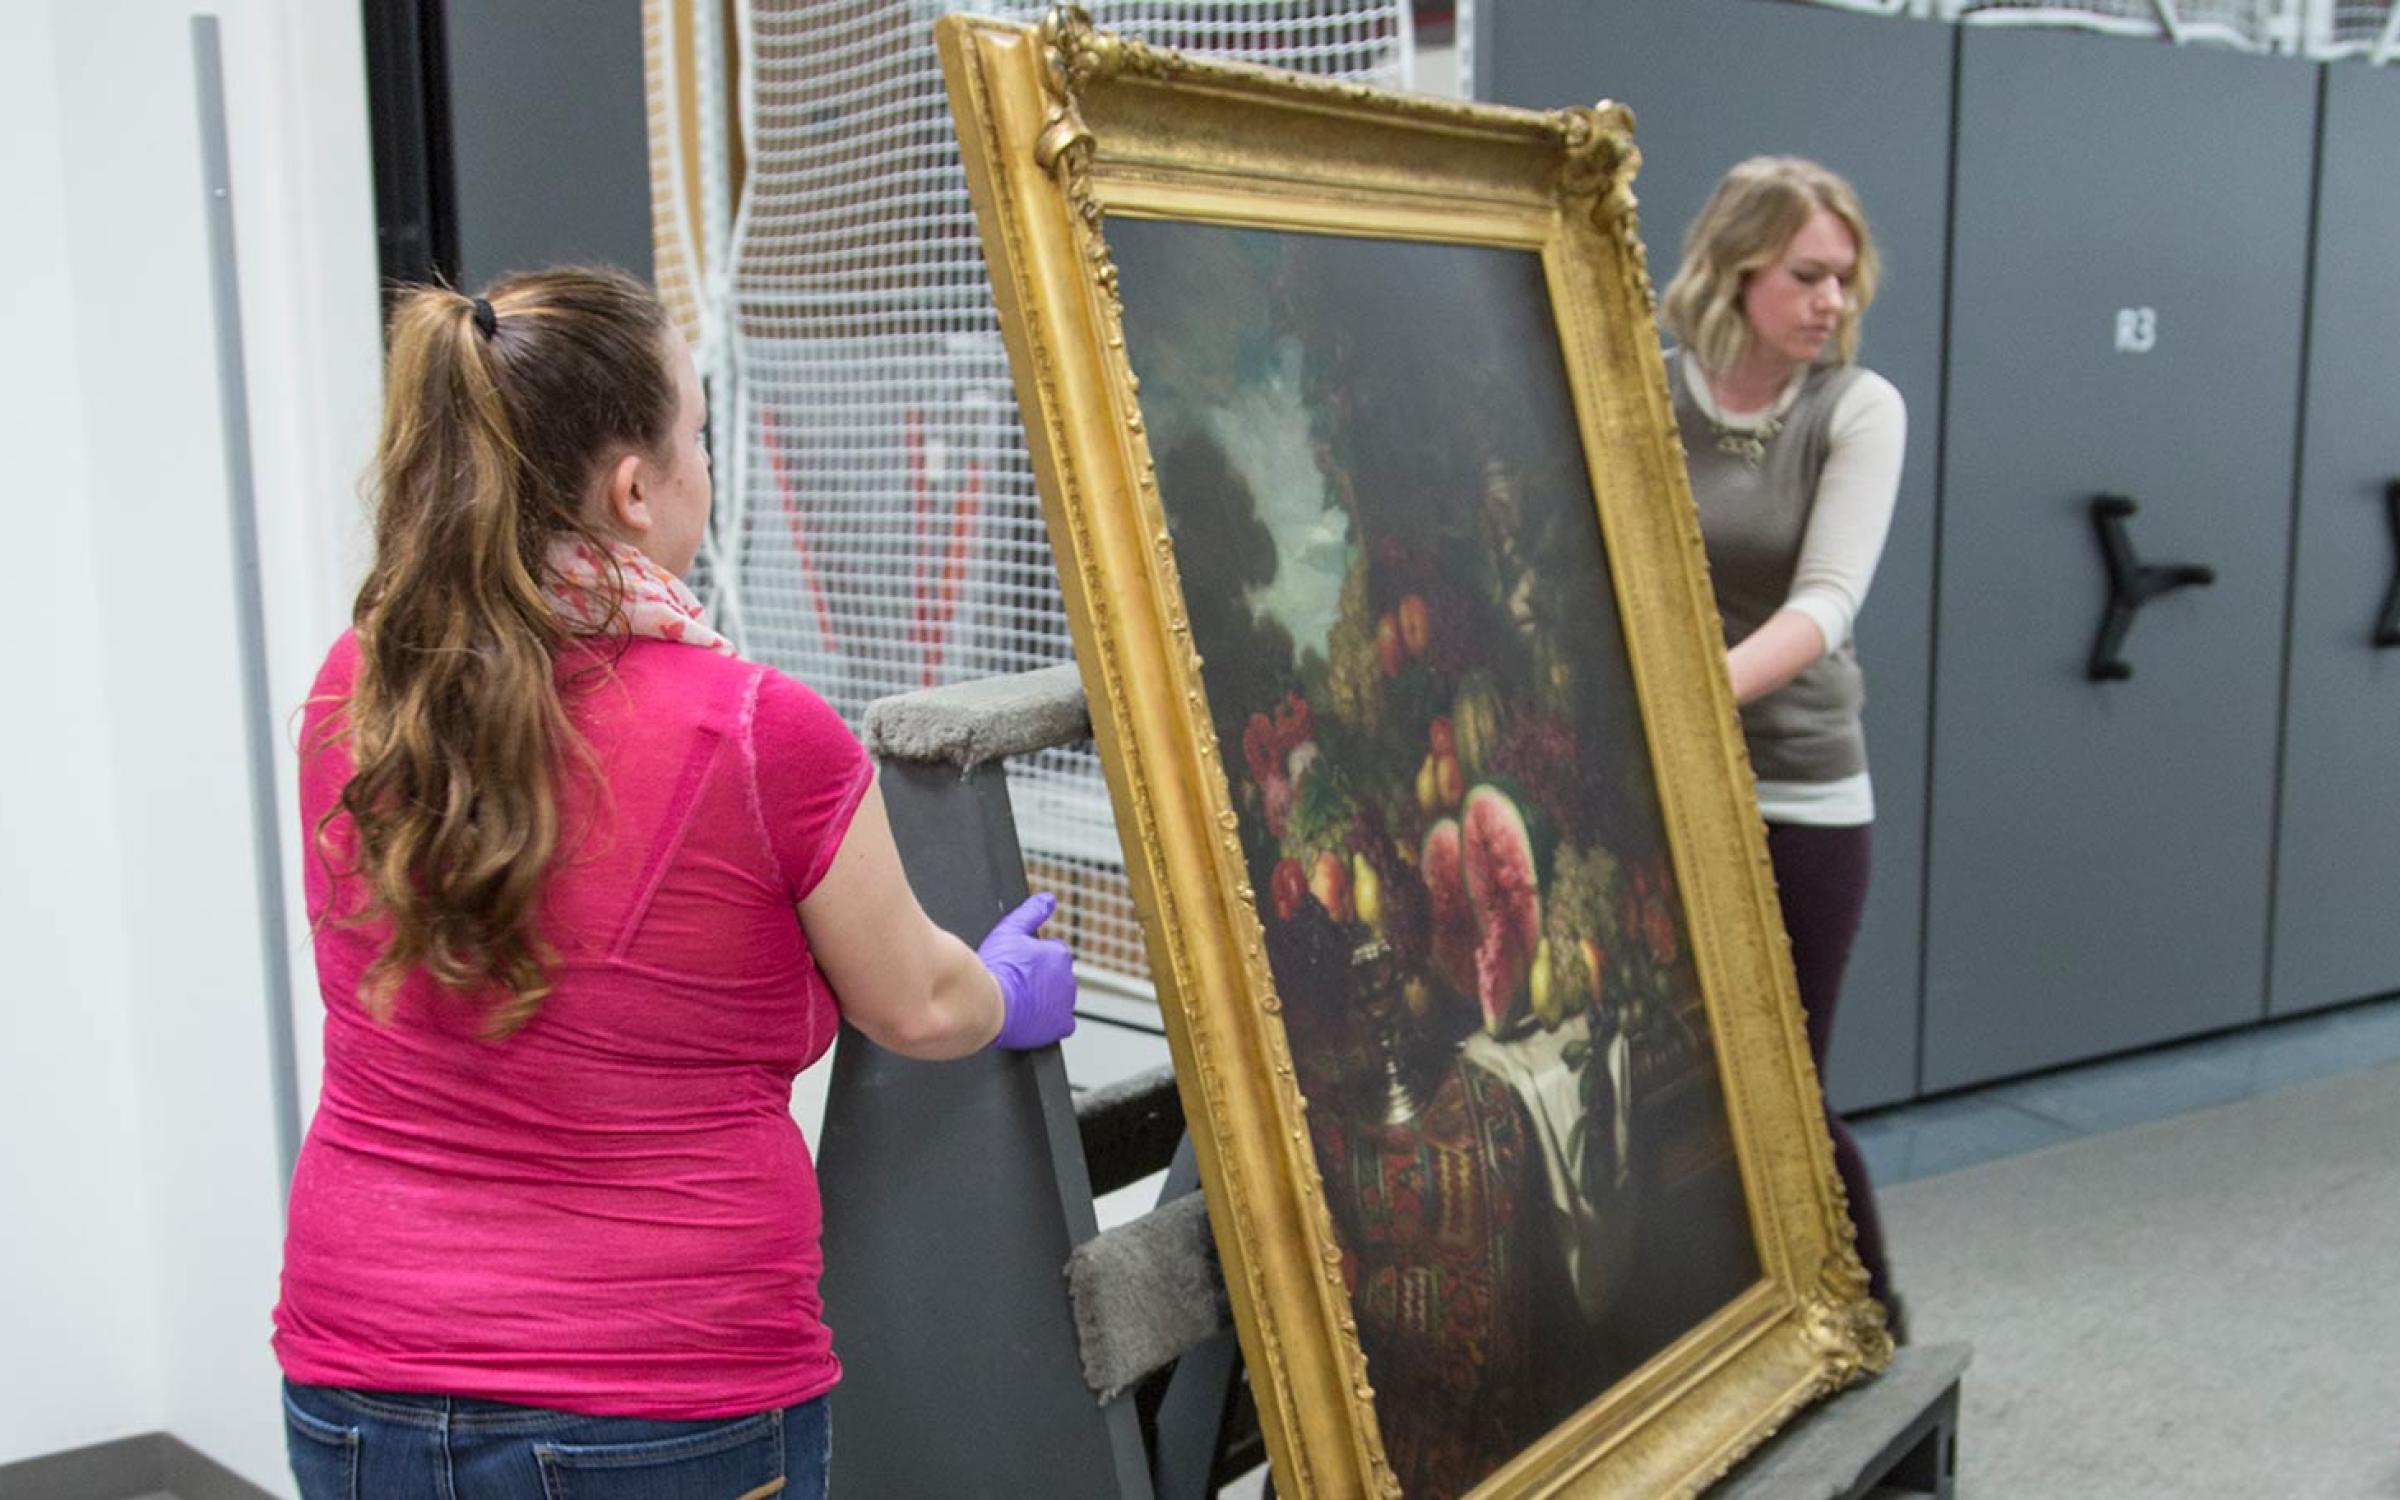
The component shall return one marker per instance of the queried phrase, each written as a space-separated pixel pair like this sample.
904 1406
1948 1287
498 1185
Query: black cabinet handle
2387 624
2132 583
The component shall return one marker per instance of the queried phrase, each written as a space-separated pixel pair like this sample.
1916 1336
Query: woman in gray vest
1795 463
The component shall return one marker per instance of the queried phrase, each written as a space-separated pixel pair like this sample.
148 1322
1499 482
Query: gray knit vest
1752 519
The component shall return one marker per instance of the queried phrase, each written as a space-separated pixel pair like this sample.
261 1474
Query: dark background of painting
1424 367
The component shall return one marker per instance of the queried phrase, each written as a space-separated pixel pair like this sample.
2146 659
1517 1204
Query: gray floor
2196 1308
1942 1135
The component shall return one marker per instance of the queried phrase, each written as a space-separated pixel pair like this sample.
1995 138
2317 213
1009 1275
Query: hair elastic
487 322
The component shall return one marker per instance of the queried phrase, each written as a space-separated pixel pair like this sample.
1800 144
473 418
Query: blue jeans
377 1445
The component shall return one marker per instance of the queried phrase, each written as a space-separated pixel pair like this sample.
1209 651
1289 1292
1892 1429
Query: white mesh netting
692 171
875 497
2312 28
2315 28
2354 28
675 226
2257 25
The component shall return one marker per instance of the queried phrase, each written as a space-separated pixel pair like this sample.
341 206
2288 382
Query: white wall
78 1297
142 1219
312 319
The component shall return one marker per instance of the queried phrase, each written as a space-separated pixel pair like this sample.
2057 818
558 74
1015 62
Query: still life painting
1369 462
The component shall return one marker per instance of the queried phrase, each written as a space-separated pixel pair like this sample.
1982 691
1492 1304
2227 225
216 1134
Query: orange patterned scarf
650 601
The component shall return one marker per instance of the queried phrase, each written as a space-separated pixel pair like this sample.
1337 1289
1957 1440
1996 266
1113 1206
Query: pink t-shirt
610 1211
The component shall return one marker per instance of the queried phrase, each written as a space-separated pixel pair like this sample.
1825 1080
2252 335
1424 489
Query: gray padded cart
1711 82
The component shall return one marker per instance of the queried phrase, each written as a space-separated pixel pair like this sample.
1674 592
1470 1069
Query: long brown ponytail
497 424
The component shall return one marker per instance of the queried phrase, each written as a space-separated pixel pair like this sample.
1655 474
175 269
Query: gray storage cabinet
1711 82
2129 262
2337 898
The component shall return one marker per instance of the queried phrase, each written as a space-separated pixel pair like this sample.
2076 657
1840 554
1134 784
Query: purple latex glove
1036 974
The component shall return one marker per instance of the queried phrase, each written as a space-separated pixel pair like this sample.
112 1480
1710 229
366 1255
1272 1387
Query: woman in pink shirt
588 892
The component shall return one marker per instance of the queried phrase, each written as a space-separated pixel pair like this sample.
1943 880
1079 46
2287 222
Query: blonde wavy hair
493 437
1749 219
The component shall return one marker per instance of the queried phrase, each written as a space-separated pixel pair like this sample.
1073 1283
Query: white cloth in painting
1595 1239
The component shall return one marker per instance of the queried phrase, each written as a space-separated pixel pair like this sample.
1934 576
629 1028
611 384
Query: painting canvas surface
1368 458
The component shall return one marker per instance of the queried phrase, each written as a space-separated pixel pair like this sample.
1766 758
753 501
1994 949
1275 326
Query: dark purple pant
1821 875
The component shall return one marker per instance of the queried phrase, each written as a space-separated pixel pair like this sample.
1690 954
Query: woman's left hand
1773 654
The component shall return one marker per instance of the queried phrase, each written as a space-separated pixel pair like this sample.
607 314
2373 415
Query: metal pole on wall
1462 42
250 614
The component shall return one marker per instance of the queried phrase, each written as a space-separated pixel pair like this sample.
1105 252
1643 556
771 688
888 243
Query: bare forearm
965 1013
1773 654
911 987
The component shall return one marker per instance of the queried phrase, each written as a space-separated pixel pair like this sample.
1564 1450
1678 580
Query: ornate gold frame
1063 127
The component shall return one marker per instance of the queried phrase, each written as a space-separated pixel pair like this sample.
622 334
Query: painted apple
1287 887
1449 779
1329 882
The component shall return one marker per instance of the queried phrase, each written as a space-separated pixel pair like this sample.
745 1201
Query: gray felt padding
988 719
1145 1293
1101 1098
